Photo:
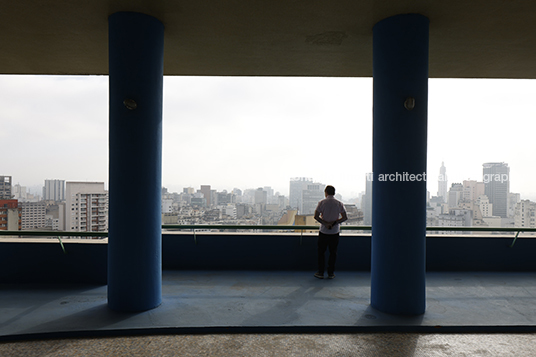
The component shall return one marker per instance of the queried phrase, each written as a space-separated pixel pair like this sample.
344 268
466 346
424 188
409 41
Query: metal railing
53 234
343 227
297 229
301 229
48 233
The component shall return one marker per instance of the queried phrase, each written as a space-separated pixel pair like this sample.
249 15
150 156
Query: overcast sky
250 132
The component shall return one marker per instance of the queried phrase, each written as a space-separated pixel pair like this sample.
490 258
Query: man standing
330 213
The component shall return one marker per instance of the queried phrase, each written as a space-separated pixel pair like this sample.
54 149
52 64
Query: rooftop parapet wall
85 262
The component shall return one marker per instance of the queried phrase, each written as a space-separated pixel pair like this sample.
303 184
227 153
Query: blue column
400 71
136 51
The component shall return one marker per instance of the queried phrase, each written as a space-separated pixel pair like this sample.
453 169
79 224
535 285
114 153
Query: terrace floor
213 303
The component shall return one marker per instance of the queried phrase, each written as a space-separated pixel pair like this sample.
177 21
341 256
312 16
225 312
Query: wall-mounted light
130 104
409 103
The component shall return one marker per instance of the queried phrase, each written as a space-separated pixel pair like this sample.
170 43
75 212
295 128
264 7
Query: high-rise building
442 182
269 194
472 190
207 193
6 192
297 185
367 201
496 177
455 195
54 190
19 192
485 207
86 207
261 196
282 201
513 200
525 214
10 215
310 198
33 215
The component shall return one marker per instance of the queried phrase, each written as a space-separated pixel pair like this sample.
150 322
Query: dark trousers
325 241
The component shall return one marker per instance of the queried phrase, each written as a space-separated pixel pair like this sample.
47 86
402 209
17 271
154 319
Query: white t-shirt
330 210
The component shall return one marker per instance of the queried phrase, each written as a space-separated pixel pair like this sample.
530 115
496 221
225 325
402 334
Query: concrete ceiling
468 38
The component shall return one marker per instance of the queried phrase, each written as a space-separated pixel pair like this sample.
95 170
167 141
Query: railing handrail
343 227
53 234
258 227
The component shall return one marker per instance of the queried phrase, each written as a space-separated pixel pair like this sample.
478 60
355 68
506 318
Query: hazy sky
250 132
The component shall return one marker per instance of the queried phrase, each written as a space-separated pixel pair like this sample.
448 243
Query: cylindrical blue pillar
136 52
400 71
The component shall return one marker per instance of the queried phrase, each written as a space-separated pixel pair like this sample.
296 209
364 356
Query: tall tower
86 207
54 190
367 201
206 191
5 188
297 185
442 182
496 177
311 195
261 196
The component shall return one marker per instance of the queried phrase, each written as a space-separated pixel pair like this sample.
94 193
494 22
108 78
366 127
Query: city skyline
263 131
442 177
490 178
442 180
486 203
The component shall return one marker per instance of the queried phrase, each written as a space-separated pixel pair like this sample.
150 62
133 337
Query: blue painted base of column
399 163
136 45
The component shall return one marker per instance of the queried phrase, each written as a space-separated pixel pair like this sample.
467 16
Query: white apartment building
525 214
455 194
54 190
311 195
230 210
86 207
473 189
513 200
486 208
167 206
19 193
486 212
33 215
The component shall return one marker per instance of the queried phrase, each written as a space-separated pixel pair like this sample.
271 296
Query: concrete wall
86 262
45 262
258 252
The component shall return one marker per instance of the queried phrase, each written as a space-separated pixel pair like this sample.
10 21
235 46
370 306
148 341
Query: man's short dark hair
330 190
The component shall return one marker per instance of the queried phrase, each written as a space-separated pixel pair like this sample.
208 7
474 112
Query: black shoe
331 276
319 275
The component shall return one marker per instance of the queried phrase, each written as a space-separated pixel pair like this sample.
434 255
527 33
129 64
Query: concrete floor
284 345
274 302
273 313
